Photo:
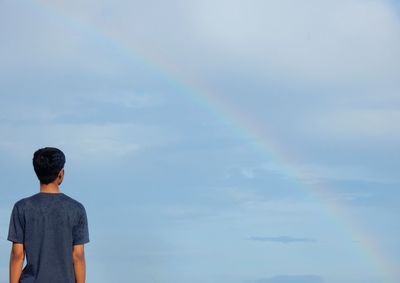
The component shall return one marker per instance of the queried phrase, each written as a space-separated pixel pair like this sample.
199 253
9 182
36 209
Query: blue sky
178 189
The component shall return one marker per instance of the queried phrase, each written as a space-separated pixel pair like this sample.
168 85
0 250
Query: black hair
47 163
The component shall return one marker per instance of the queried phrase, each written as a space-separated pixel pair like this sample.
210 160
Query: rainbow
246 126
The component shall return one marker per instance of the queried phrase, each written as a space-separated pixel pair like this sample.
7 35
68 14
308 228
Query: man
50 227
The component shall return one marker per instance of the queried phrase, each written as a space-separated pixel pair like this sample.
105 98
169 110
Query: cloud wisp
290 279
282 239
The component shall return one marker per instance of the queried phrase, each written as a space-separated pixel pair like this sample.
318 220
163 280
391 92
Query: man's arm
78 254
16 261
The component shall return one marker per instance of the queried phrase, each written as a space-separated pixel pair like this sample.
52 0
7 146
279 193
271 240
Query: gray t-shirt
48 224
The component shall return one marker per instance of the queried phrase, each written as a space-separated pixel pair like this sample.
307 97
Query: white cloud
256 170
128 99
366 125
75 105
289 279
282 239
255 202
248 173
16 111
310 173
305 40
79 141
47 43
353 196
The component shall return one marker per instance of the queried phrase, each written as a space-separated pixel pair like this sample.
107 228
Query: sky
211 141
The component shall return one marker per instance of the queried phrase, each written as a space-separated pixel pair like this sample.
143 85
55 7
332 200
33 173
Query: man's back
49 225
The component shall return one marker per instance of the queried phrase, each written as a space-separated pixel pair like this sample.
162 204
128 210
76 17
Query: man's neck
49 188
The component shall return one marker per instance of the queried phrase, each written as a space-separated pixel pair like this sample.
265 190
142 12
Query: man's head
48 164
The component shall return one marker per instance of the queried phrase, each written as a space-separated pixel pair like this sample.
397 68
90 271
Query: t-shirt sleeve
80 232
16 227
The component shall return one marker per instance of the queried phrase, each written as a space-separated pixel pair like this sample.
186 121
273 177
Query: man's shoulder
32 199
73 201
22 202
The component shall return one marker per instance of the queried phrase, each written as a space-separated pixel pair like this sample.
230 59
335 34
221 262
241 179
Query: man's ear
60 176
